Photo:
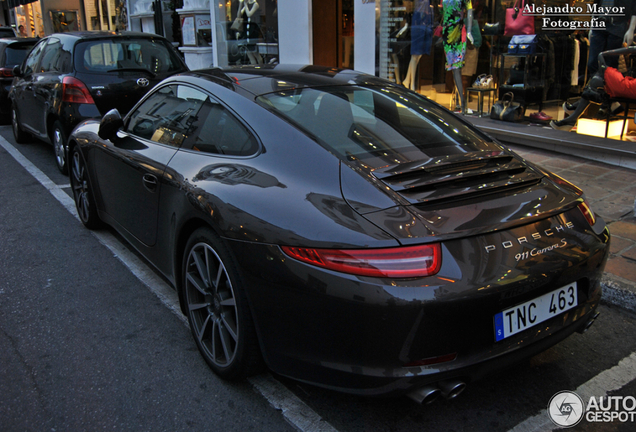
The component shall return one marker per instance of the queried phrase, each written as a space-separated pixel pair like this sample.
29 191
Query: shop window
106 14
64 21
247 32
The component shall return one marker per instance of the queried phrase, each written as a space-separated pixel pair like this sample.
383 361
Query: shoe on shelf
477 82
615 109
486 82
568 107
540 116
565 127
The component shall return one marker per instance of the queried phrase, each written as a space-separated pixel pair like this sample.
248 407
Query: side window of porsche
167 115
217 131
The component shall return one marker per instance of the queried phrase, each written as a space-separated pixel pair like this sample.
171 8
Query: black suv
12 53
7 32
70 77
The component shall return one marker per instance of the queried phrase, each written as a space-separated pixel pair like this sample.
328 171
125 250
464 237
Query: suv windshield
364 122
112 55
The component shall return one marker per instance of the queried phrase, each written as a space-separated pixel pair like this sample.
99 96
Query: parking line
607 381
293 409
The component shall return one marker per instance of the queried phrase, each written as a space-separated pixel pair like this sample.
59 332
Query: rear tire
217 308
21 137
58 138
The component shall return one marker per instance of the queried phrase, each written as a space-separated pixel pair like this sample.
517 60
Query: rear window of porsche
360 122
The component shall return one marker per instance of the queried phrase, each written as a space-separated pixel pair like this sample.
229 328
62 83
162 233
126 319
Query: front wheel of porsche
82 191
217 309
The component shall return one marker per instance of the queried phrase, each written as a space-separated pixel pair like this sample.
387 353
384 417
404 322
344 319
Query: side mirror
110 124
17 71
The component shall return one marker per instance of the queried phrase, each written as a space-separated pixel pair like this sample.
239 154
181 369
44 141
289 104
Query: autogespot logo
566 409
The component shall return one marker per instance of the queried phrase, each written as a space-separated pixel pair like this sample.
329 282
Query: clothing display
422 28
611 37
251 25
454 32
617 85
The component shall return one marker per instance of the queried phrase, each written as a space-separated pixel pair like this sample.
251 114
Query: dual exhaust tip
430 393
589 323
451 389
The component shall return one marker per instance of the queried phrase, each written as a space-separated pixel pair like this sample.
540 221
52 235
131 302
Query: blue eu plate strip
499 327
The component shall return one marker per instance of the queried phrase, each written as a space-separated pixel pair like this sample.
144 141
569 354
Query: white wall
364 41
295 43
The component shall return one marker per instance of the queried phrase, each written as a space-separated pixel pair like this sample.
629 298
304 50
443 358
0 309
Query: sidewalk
610 189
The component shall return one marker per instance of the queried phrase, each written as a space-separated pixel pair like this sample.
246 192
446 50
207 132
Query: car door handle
150 182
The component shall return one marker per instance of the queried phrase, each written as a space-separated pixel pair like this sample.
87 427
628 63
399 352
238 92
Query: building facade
400 40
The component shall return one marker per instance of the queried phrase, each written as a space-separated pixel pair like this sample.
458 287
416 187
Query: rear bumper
361 335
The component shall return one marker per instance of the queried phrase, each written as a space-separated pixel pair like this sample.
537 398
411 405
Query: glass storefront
410 49
105 14
29 20
38 19
247 32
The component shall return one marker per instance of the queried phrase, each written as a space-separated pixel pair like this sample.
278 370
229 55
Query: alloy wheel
82 192
60 151
212 305
80 187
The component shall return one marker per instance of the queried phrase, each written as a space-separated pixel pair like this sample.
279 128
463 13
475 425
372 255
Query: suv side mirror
110 124
17 71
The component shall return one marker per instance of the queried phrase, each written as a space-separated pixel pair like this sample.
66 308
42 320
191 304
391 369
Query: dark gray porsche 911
340 229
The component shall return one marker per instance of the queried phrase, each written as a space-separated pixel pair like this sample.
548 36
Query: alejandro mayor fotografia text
555 17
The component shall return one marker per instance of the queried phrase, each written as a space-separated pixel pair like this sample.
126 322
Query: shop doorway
332 23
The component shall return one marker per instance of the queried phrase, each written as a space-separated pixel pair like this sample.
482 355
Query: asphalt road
86 345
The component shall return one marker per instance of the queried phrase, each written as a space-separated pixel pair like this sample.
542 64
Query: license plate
528 314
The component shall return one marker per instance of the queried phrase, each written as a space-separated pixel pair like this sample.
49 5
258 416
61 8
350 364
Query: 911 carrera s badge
534 236
143 82
537 251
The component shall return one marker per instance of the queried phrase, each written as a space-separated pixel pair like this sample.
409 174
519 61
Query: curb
618 292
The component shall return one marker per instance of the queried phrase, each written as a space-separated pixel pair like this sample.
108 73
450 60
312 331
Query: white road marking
607 381
293 409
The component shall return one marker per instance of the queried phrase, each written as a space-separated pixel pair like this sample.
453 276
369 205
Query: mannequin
607 82
248 10
454 35
618 32
421 39
402 37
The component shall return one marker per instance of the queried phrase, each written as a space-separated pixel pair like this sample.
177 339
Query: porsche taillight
401 262
584 207
75 91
